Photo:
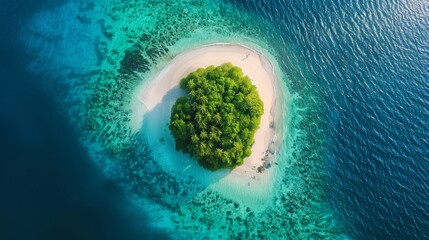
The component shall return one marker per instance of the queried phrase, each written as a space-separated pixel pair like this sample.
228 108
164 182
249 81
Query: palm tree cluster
217 120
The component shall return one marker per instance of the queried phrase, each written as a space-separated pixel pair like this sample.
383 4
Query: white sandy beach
151 108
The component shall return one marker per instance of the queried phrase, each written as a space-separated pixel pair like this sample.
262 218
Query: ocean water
354 157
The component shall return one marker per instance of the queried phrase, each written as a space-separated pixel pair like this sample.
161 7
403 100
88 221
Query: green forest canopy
218 118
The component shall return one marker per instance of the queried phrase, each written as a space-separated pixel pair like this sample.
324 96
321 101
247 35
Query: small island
216 121
241 177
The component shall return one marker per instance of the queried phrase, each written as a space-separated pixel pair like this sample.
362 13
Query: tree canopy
217 119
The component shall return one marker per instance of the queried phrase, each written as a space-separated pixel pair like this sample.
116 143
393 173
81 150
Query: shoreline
151 106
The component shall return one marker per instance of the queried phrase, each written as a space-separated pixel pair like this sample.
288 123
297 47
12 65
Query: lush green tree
218 118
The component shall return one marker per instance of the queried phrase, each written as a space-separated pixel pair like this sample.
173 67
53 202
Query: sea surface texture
354 86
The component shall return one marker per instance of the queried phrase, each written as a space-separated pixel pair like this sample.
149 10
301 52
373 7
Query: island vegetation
217 119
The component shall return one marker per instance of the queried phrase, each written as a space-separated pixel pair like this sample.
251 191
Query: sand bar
151 108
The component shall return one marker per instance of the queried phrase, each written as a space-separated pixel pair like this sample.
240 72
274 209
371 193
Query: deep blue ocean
370 60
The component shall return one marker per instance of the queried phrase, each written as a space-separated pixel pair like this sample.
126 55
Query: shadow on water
156 131
49 186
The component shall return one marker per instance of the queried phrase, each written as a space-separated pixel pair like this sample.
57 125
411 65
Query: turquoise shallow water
354 161
132 42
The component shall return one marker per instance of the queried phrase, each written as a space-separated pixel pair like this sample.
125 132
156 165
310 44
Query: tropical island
217 119
248 175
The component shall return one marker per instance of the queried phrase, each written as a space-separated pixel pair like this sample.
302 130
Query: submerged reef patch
134 39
